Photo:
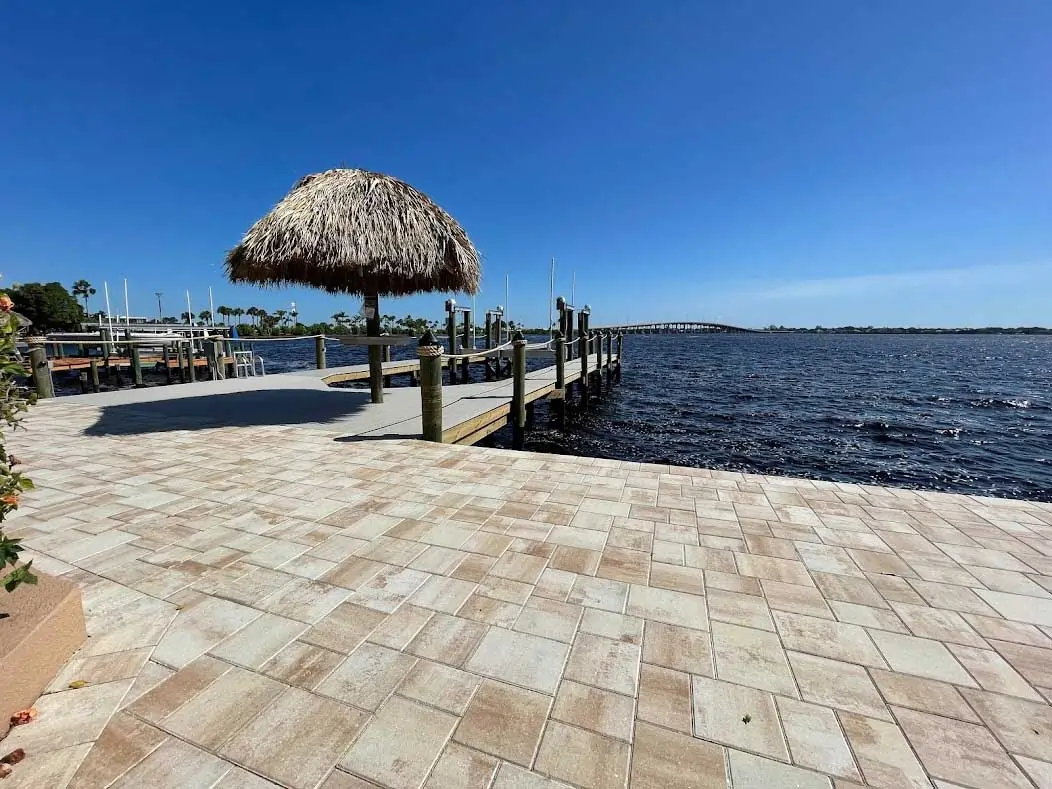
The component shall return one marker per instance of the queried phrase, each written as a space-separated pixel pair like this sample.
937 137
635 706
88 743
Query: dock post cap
517 337
450 304
428 340
587 309
560 303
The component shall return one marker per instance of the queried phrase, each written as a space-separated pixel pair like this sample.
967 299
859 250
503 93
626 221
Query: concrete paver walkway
270 607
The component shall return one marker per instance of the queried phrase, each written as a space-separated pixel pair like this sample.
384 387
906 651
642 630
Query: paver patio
270 607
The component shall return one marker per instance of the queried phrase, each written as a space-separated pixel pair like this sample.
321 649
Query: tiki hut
361 233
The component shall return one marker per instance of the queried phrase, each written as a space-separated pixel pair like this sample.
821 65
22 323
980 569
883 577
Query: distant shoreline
911 330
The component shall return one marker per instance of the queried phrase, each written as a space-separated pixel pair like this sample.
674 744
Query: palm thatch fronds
358 232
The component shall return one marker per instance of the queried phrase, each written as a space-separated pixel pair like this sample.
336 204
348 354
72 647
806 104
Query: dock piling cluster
598 368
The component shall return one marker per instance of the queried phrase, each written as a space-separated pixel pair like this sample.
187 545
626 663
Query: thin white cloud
868 284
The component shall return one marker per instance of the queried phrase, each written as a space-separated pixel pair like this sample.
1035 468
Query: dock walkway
470 411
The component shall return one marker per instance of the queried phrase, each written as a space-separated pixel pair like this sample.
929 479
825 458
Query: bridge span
678 327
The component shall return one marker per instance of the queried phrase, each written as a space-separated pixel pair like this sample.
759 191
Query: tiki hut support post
430 354
518 391
376 365
95 383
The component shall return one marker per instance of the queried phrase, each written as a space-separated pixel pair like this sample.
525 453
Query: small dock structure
584 365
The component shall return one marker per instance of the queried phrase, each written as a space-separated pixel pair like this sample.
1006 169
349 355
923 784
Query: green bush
13 403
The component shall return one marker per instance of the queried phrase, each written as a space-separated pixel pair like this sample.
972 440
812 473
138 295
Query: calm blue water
964 414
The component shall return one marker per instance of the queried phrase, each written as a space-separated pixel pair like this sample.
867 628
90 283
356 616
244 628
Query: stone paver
269 606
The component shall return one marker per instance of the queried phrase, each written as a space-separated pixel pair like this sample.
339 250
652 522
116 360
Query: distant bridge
679 327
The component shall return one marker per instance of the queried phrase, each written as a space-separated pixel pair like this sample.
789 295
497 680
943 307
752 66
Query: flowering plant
13 403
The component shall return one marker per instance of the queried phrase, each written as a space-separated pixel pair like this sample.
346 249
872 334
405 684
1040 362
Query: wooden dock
470 411
77 363
460 412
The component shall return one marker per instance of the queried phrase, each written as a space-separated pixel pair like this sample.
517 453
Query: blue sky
754 162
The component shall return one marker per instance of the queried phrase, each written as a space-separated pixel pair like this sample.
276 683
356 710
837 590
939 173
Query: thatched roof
353 231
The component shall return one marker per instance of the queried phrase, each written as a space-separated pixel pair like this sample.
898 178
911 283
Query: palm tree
267 322
187 317
224 312
205 316
252 312
237 312
83 289
343 321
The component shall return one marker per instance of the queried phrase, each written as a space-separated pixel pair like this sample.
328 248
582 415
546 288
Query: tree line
51 307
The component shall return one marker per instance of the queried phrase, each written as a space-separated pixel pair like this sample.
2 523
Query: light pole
160 309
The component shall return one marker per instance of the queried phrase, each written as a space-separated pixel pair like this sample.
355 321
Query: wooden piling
430 354
136 366
466 346
387 360
518 391
620 346
214 354
598 377
166 356
94 365
609 359
319 351
180 361
39 369
559 396
488 363
569 332
451 336
191 371
582 342
104 336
